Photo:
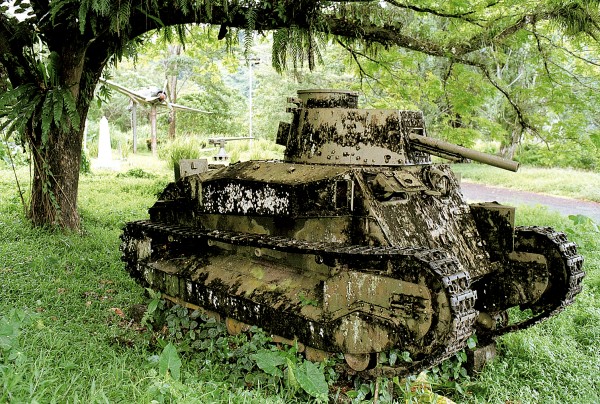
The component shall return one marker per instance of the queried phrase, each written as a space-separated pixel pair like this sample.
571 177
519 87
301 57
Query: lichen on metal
355 243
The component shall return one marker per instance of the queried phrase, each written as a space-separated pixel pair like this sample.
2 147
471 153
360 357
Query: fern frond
296 46
47 116
102 7
57 108
208 8
120 17
279 49
249 31
183 5
83 12
71 108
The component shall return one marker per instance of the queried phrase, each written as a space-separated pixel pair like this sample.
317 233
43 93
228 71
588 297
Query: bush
85 165
189 147
566 154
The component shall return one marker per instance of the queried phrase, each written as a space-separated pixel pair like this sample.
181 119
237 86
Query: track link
549 241
455 281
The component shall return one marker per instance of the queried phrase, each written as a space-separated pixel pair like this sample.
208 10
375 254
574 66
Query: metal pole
250 97
153 128
251 63
134 125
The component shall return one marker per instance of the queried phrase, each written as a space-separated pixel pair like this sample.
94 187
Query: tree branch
432 11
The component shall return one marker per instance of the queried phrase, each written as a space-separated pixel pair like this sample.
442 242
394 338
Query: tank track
455 280
573 263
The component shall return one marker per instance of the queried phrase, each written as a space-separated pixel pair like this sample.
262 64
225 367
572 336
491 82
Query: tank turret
355 243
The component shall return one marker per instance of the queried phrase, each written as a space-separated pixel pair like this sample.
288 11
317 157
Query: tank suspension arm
451 151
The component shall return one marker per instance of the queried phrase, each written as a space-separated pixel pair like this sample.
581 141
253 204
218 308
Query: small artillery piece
354 243
222 156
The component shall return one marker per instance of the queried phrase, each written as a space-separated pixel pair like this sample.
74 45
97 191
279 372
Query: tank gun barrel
447 150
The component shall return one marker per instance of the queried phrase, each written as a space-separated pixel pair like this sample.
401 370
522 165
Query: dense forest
459 104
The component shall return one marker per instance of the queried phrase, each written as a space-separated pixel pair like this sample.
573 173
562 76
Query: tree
54 52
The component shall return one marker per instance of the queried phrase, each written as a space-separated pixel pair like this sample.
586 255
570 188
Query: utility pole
251 63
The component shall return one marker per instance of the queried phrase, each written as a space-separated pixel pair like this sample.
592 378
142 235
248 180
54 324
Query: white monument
104 159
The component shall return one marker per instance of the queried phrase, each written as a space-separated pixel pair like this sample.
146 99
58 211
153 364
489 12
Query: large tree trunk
510 147
56 181
57 160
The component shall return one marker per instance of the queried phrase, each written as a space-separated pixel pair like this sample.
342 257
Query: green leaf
291 379
312 380
472 342
71 107
46 117
170 362
152 306
156 19
57 108
268 361
393 358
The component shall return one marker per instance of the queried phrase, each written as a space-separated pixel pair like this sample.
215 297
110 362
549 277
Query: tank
355 243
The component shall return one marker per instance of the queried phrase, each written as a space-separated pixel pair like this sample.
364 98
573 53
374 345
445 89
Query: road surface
565 206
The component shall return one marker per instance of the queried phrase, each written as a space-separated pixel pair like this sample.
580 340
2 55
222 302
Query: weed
10 332
284 366
136 173
204 340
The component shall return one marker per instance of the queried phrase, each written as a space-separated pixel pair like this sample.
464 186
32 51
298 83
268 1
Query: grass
62 296
557 361
554 181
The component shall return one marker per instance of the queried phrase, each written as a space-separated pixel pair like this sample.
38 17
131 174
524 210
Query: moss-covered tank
354 243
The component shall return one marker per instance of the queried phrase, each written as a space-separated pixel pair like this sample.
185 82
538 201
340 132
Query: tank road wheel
235 327
358 362
415 299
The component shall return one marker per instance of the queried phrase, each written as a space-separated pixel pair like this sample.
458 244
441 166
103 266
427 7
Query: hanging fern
577 17
249 31
120 18
297 46
38 109
27 107
279 49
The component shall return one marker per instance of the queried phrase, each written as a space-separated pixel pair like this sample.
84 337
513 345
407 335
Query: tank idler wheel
358 362
315 355
235 327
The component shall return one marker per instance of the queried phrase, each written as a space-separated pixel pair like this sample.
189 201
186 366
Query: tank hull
356 243
377 259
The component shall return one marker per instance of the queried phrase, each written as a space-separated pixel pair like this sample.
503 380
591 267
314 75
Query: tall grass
80 343
75 340
237 150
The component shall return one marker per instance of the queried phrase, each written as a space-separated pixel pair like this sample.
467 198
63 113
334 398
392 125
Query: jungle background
459 103
69 330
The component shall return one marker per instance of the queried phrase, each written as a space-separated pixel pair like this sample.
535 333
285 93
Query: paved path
565 206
